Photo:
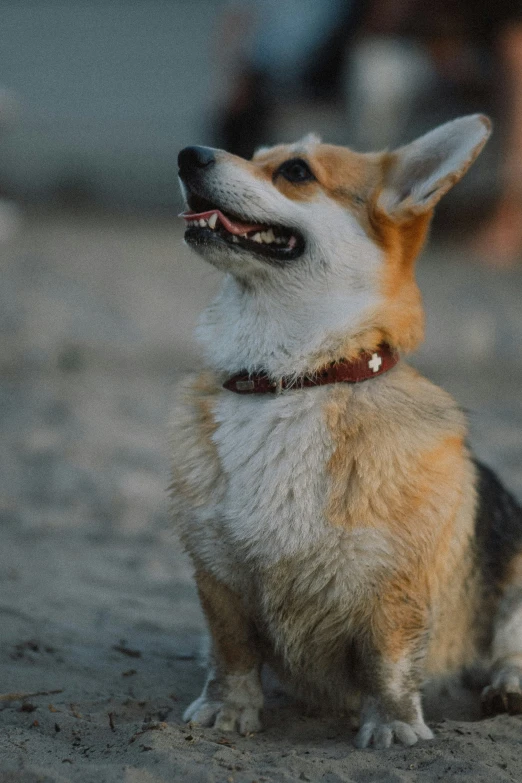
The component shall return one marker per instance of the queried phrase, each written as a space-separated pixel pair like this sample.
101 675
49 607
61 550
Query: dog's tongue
232 226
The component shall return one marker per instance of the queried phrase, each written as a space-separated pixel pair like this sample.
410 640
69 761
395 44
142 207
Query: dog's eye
295 170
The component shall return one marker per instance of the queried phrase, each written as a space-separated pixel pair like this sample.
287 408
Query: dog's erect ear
420 173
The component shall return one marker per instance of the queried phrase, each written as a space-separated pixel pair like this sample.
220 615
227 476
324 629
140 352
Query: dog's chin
235 261
231 252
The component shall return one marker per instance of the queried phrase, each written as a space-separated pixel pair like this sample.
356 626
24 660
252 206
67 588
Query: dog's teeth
268 236
212 221
257 237
202 223
292 242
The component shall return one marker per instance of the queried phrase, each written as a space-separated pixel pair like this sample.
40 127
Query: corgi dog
340 529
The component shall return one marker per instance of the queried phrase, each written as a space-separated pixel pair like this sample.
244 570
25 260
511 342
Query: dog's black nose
192 158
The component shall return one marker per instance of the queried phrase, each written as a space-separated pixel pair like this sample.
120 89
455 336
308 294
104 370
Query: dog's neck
286 331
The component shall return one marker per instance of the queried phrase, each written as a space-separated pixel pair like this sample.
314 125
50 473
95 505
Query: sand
100 624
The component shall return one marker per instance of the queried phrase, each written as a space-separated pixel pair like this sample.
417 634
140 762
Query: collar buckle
245 386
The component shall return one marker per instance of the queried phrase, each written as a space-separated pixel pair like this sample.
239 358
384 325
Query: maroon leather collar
370 364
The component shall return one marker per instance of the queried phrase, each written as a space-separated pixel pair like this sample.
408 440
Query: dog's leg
504 694
232 698
393 710
391 664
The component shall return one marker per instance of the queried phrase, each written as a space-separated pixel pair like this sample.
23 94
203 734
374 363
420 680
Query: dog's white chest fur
273 452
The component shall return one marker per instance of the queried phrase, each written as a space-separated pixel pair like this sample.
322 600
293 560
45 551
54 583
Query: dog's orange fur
340 172
229 622
410 486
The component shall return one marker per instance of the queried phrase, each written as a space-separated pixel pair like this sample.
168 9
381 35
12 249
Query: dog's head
323 221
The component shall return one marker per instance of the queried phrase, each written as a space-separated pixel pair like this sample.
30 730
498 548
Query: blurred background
99 298
97 97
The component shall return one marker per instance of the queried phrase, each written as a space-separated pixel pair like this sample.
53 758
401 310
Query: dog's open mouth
207 223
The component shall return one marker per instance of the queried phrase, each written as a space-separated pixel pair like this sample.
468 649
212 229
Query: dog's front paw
231 704
505 692
382 735
224 716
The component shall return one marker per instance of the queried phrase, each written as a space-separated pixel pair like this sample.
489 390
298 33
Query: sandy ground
100 625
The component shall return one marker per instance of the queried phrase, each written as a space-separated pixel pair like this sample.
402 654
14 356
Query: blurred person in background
275 52
386 61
